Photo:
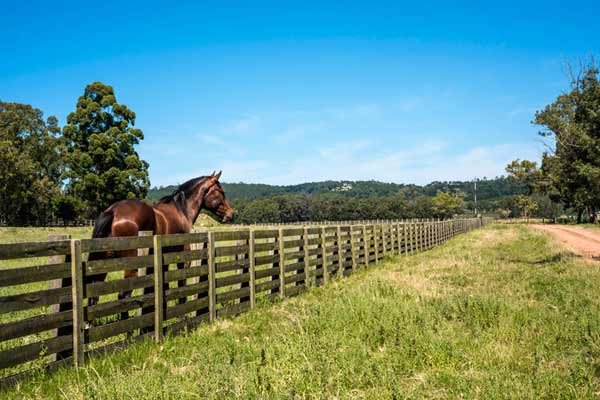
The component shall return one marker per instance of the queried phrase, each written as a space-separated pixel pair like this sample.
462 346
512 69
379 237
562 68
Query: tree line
293 208
76 171
568 175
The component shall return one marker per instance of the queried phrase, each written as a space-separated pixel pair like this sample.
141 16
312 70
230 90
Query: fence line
50 326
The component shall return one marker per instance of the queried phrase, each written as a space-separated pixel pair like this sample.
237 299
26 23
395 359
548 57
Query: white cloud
359 160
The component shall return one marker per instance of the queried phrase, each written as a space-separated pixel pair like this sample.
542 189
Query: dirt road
582 241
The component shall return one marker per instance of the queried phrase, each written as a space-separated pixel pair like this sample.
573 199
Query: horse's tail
103 225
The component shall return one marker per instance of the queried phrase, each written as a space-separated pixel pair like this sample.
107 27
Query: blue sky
288 92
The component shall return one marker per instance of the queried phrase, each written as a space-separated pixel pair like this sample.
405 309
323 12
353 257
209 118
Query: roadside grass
501 312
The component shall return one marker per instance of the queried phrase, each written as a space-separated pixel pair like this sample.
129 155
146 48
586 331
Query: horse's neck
194 203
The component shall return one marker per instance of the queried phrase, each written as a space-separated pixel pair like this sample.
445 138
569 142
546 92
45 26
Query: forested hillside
353 200
487 189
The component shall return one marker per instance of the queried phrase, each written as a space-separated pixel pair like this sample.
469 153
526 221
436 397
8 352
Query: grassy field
498 313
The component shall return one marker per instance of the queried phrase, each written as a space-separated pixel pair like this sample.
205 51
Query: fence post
281 265
77 298
352 248
251 268
376 242
365 245
384 239
398 238
59 283
212 292
306 258
324 255
159 289
340 271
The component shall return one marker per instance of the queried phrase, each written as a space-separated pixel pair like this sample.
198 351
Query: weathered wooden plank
115 243
96 333
294 267
118 306
269 285
262 260
95 267
196 288
289 279
293 232
184 256
184 238
295 290
22 354
38 273
224 266
293 255
221 236
233 309
41 298
260 247
187 323
232 280
233 294
185 273
186 308
101 288
267 272
231 250
289 244
265 233
34 249
39 323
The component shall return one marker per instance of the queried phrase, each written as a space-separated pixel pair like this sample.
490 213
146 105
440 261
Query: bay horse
175 213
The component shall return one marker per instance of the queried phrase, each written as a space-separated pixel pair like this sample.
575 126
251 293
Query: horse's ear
213 174
216 177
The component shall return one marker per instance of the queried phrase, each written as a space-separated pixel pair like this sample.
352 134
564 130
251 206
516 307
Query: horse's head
215 200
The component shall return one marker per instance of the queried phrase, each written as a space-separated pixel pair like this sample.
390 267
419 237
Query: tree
445 205
571 171
527 206
259 211
102 164
504 213
67 207
525 171
30 163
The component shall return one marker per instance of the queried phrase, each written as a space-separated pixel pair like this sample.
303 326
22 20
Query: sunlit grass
496 313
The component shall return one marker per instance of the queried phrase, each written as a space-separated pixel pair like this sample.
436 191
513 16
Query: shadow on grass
563 256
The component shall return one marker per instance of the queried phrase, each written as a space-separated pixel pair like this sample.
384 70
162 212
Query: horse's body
175 213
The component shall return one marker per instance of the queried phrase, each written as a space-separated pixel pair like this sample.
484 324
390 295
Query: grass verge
497 313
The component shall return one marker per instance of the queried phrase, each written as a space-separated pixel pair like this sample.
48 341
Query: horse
174 213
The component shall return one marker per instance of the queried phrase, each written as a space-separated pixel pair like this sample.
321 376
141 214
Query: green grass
496 313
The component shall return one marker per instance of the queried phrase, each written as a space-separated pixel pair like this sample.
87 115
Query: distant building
343 188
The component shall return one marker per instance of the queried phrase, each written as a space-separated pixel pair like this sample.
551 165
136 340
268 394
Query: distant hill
487 189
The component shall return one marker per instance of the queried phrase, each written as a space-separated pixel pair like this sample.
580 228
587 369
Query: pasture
502 312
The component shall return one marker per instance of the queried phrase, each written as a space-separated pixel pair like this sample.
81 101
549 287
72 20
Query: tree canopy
30 163
102 165
571 171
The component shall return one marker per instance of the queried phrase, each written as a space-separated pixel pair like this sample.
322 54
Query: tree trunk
579 215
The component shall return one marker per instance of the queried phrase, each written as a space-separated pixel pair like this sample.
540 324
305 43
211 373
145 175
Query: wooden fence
46 319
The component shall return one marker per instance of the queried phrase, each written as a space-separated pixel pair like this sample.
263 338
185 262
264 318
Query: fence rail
47 318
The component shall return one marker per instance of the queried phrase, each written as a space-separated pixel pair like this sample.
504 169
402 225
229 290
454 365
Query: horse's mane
180 194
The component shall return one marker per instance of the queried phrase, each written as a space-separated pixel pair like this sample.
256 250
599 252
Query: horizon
335 91
484 178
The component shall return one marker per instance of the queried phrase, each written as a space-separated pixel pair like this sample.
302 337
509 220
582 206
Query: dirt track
582 241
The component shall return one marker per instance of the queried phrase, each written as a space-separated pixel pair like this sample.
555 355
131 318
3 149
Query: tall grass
497 313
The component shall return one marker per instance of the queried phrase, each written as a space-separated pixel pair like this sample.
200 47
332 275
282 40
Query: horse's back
130 217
